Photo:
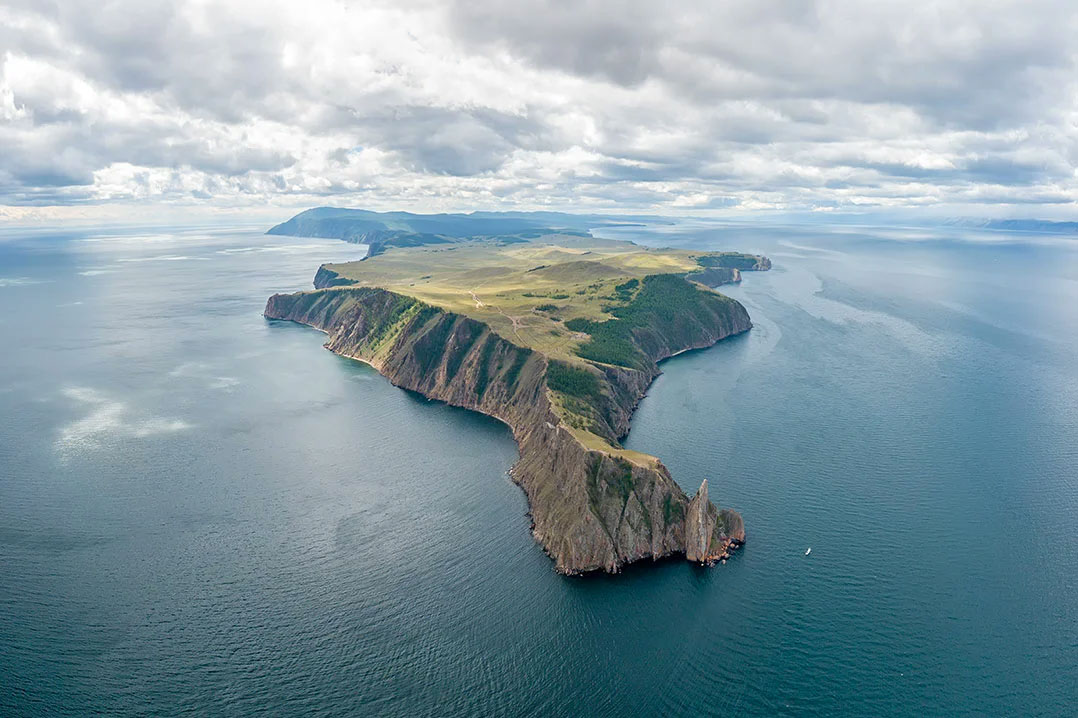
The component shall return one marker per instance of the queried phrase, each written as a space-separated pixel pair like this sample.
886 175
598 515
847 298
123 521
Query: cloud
790 104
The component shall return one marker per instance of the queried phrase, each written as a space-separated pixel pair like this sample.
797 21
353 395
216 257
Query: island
556 333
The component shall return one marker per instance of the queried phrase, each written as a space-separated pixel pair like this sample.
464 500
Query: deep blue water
202 512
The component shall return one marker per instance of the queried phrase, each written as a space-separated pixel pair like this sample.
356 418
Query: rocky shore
592 507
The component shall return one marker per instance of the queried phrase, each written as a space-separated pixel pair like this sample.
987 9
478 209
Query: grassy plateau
576 300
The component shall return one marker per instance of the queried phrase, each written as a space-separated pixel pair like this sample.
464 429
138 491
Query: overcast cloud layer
750 104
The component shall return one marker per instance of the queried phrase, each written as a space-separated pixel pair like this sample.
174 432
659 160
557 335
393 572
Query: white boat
808 550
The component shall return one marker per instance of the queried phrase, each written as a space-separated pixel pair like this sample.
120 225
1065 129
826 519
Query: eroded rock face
716 276
326 277
699 525
591 510
732 526
710 534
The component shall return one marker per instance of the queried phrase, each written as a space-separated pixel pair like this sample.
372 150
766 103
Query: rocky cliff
716 276
594 506
710 534
736 260
326 277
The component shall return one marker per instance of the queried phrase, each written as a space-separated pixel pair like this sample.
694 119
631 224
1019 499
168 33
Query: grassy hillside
527 291
590 306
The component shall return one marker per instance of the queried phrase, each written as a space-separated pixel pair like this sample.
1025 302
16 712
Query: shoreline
585 525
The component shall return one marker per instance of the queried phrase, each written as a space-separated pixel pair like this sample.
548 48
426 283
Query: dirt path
516 322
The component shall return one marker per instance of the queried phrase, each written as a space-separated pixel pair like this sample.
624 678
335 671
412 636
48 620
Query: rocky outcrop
716 276
592 509
711 535
326 277
699 523
735 260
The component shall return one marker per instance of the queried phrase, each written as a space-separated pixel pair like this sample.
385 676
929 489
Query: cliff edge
594 505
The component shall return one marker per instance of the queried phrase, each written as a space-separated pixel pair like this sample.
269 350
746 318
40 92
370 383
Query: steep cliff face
716 276
699 523
325 278
736 260
592 509
709 534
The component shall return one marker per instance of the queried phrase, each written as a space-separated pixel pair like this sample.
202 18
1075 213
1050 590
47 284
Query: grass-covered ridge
573 380
586 305
663 300
530 292
730 260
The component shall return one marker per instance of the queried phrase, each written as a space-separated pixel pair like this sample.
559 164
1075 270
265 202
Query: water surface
205 512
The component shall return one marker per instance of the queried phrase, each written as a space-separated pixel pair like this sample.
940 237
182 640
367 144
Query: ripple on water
316 541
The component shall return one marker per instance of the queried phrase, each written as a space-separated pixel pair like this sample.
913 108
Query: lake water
202 512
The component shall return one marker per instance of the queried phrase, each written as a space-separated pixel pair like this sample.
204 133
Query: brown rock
591 509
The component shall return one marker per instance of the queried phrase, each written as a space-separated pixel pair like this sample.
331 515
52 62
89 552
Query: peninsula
558 334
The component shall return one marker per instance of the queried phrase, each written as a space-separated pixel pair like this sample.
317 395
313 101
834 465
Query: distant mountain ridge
355 225
1016 225
380 230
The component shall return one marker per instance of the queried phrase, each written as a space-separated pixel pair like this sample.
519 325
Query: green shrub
663 300
732 260
482 377
514 370
389 319
578 324
429 347
673 511
572 380
625 479
466 334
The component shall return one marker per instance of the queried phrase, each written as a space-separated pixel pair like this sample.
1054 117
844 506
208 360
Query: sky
138 108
